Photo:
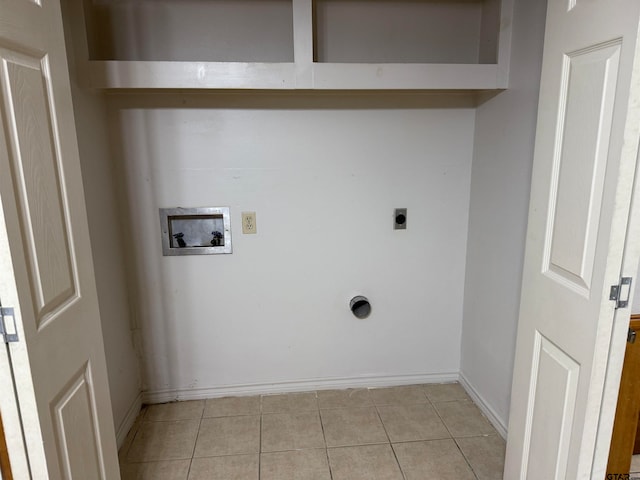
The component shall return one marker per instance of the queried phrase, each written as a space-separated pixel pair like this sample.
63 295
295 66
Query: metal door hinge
621 292
631 336
8 332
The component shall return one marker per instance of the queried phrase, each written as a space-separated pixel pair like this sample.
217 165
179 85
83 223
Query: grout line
176 420
189 469
424 392
260 443
160 460
324 436
326 452
404 475
453 400
465 458
260 439
382 423
441 419
390 444
473 472
421 441
193 452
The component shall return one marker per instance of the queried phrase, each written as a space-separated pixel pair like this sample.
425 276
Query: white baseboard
499 424
163 396
128 420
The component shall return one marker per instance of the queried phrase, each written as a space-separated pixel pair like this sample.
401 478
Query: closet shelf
405 76
290 76
294 44
190 75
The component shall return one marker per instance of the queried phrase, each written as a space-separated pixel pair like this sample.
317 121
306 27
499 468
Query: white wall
219 31
106 244
107 249
397 32
262 30
500 180
324 174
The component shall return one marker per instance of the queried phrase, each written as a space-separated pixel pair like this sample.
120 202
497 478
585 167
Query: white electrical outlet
249 222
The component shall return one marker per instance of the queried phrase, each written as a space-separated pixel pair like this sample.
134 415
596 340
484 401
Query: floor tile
291 431
356 425
369 462
406 423
290 402
175 411
173 470
445 392
228 436
412 394
485 455
352 426
464 419
234 467
232 406
164 441
435 459
353 397
298 465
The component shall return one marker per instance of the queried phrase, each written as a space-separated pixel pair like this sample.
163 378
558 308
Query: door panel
552 399
36 174
585 113
77 430
59 366
583 174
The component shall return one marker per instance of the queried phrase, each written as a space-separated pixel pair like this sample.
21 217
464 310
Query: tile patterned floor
635 466
417 432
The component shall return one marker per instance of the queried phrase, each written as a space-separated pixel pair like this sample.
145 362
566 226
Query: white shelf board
404 76
291 76
190 75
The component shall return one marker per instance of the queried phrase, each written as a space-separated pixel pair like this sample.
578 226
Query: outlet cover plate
400 219
249 222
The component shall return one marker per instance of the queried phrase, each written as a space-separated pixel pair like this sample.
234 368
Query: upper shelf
294 44
286 76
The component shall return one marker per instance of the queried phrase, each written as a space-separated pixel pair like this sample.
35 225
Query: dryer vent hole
360 307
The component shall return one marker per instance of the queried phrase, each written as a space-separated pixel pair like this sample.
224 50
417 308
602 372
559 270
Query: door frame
621 320
5 462
10 405
624 432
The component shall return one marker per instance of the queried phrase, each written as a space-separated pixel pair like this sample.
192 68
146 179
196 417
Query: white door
585 157
47 272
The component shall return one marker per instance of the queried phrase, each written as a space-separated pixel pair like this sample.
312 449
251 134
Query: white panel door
585 157
59 365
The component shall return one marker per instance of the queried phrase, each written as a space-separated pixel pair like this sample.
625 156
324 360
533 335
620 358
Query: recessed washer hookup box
195 231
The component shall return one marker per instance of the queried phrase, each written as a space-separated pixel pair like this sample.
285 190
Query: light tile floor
635 466
417 432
